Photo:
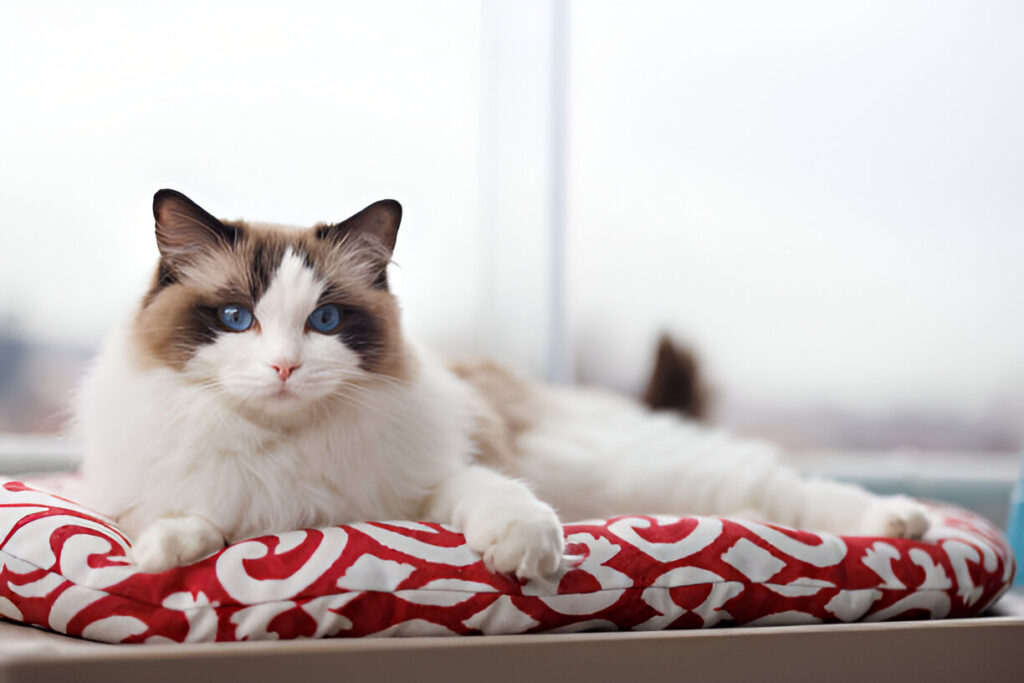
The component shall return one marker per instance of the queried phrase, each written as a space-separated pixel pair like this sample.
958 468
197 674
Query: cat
265 384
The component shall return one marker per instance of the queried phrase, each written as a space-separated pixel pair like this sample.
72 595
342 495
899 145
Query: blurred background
821 200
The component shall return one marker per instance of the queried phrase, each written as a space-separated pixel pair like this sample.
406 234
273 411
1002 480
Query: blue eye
235 317
325 319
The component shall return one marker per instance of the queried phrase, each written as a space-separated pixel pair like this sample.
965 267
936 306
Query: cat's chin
279 405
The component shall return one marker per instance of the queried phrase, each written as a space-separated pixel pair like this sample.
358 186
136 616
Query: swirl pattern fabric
63 567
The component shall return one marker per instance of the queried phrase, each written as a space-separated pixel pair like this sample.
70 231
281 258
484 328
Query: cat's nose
284 369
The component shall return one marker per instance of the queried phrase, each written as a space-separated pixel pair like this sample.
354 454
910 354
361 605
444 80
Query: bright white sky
824 196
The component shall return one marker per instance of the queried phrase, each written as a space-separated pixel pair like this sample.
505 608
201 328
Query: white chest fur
158 445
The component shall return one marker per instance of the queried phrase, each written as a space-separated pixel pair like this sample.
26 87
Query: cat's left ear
376 226
378 222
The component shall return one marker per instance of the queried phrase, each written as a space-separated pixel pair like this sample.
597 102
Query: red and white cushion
63 567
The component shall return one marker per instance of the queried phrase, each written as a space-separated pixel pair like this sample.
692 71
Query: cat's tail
676 381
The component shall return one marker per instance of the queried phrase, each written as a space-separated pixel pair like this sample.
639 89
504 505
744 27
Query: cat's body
164 442
266 385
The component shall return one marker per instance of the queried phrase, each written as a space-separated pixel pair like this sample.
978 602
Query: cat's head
272 319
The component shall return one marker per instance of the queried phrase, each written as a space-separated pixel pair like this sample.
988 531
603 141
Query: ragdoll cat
265 384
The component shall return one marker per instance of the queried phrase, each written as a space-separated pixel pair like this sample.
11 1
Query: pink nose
285 370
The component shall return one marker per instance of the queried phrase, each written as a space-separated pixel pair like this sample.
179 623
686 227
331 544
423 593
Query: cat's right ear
184 229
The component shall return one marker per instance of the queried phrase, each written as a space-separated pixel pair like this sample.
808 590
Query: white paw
173 541
895 517
527 542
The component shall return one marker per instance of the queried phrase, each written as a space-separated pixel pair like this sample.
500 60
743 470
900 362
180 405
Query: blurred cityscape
37 381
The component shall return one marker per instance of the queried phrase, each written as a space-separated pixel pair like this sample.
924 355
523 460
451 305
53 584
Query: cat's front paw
895 517
174 541
528 543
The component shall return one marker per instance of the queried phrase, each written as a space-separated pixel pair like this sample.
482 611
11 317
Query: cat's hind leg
825 505
894 517
681 471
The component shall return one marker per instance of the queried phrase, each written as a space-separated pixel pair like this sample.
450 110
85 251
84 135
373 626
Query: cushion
63 567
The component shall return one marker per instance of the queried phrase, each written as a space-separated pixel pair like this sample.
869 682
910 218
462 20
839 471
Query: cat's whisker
365 403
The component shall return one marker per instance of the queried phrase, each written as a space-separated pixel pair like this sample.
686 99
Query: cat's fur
196 435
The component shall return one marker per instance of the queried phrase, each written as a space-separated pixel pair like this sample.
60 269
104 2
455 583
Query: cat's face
275 320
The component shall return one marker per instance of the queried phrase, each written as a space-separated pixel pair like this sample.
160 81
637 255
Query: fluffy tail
676 382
